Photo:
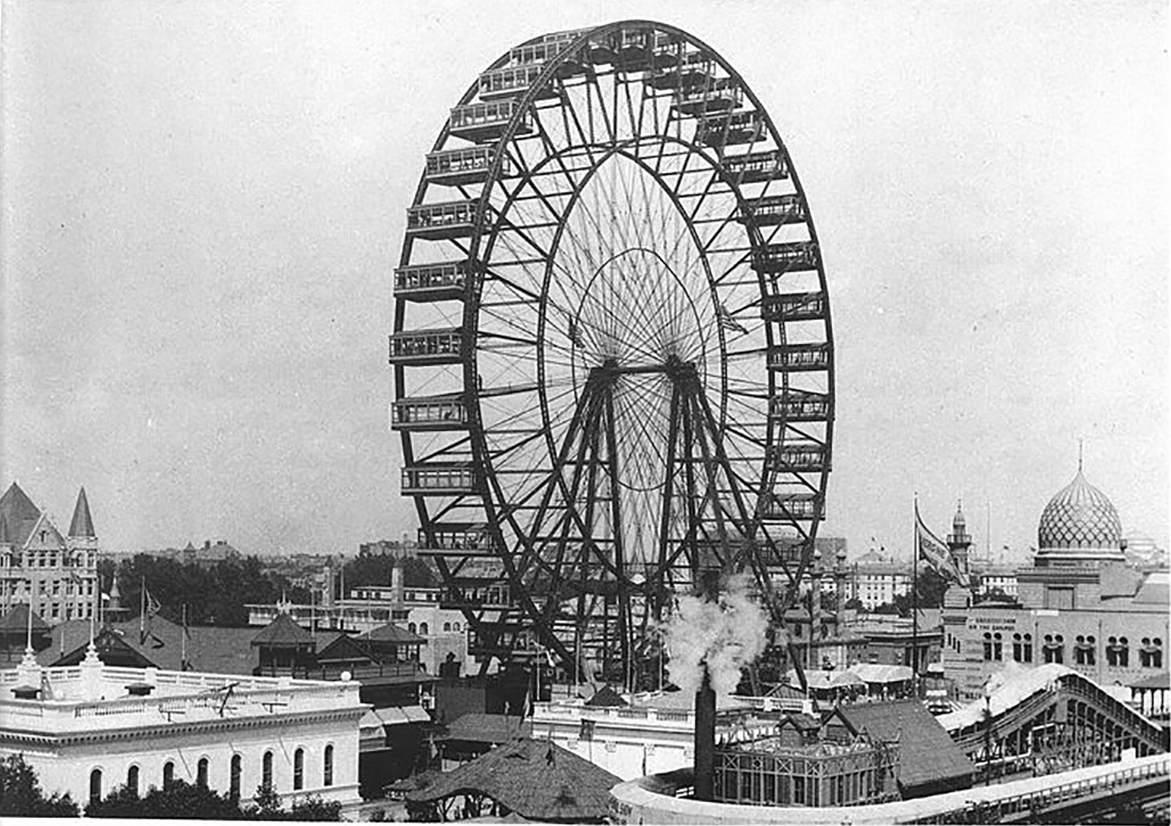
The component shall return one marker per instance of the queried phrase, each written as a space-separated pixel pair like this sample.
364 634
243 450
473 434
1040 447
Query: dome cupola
1079 523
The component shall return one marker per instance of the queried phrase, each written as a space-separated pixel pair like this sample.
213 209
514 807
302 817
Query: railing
993 811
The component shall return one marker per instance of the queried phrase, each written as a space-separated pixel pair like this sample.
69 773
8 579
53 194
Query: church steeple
82 526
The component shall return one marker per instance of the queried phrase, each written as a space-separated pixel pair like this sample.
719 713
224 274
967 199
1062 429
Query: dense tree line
184 801
214 595
21 794
376 570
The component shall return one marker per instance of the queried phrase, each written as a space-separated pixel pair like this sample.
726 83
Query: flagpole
142 612
915 604
183 653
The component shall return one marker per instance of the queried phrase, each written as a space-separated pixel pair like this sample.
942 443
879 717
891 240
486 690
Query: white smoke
727 635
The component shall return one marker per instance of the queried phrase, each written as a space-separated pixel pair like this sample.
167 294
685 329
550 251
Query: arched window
327 767
234 778
201 773
447 627
266 770
168 773
299 769
95 785
132 779
423 628
997 647
411 627
1028 648
455 627
987 645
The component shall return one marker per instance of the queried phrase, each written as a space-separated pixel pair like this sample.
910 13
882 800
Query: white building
875 579
651 733
90 729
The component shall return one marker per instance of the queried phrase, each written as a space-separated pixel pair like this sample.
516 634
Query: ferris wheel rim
471 309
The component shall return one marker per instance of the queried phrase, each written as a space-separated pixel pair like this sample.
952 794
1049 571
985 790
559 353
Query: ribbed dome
1079 516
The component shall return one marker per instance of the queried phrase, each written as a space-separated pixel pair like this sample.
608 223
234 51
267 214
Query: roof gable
283 631
19 513
537 780
16 621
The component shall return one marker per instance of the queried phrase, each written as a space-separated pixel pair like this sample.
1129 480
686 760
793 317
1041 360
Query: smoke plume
727 635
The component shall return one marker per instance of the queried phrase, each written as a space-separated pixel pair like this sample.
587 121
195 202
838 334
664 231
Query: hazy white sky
203 203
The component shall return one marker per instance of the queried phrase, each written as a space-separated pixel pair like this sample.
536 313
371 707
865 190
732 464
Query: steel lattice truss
612 347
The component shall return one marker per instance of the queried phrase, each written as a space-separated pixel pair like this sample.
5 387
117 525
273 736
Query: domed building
1079 528
1079 604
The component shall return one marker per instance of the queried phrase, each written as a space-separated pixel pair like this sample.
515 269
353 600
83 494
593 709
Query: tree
267 806
178 800
21 795
314 808
853 603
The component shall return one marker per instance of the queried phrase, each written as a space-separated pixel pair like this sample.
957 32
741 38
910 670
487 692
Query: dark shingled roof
82 525
487 728
928 759
392 633
536 779
283 631
19 513
606 697
16 621
213 649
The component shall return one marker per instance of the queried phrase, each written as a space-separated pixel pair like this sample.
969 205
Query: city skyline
198 289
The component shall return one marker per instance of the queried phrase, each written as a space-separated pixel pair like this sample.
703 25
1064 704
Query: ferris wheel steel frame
622 354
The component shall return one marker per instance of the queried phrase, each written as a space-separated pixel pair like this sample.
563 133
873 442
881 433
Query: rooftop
536 779
77 704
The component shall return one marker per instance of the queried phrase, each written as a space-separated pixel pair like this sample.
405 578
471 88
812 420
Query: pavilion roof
538 780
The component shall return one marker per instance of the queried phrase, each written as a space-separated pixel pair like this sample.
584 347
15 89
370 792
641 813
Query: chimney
705 708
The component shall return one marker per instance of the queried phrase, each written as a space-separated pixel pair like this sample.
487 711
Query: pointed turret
82 526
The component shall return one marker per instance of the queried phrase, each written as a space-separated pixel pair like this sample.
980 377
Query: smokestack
396 582
705 707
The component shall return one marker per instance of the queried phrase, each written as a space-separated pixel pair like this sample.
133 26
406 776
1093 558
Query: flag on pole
934 552
727 321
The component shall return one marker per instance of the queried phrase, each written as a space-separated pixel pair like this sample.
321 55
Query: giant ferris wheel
612 346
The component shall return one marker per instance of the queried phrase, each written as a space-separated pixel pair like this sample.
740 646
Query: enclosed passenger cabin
684 70
794 456
486 122
445 412
719 94
756 167
444 538
786 257
440 479
426 347
466 165
466 590
546 51
444 281
436 222
773 210
800 406
730 128
800 357
793 307
782 507
512 82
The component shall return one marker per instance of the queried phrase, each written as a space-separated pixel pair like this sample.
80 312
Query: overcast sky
203 203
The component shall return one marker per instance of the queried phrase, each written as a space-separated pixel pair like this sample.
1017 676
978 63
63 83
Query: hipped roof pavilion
536 779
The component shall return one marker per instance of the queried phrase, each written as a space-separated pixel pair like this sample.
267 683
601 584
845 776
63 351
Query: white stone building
651 733
90 729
